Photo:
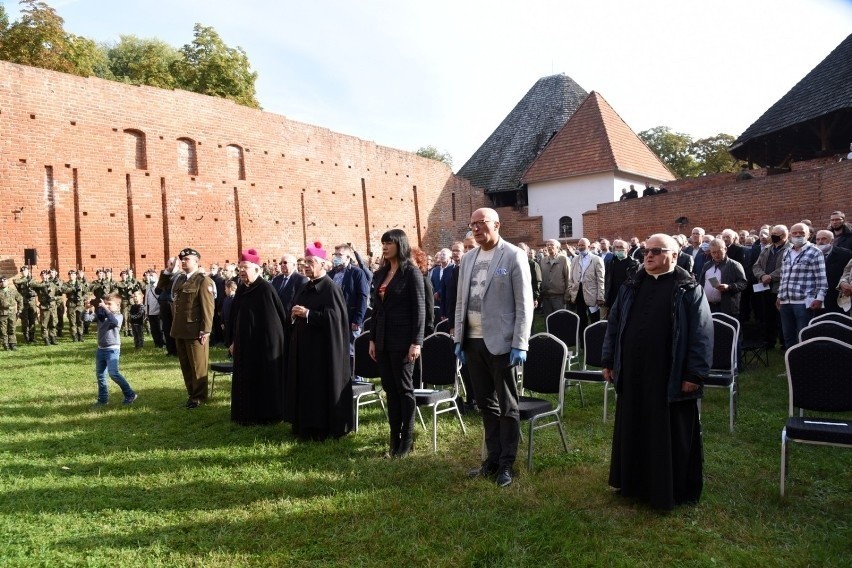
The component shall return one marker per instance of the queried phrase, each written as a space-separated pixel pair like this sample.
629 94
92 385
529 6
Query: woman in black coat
396 335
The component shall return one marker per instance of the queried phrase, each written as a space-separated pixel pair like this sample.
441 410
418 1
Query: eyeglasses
478 224
283 262
655 251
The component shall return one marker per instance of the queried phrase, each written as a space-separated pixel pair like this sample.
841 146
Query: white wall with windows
557 200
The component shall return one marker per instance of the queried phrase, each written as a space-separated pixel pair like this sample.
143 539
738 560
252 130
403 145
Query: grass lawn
157 485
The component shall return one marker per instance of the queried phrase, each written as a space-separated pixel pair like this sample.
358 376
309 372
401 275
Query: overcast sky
445 73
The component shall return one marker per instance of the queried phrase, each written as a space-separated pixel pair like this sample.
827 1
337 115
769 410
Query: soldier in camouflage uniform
11 304
127 286
49 295
30 311
60 305
102 285
75 291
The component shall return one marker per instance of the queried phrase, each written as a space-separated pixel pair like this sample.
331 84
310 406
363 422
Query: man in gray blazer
494 314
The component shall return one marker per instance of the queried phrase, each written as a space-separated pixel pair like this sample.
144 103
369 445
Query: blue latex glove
517 357
460 353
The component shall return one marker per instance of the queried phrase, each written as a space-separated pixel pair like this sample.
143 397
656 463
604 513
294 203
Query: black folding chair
365 392
826 328
816 386
723 372
593 338
544 374
437 382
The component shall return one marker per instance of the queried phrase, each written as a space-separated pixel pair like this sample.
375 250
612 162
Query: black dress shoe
487 469
504 477
192 404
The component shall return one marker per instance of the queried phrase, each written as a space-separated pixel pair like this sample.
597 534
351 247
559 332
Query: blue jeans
794 317
106 361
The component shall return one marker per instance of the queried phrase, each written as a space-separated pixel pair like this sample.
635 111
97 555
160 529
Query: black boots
406 443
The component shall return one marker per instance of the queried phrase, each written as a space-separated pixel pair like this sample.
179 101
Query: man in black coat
616 272
256 330
724 295
836 259
841 230
288 283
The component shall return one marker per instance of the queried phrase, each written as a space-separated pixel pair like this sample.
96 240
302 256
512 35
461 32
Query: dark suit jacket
733 275
435 277
398 318
835 262
356 291
294 285
446 284
738 253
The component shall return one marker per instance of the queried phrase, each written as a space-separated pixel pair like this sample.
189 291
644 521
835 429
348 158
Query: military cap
44 272
23 268
72 271
2 278
187 252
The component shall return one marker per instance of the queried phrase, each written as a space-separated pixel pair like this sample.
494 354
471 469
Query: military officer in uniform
49 295
75 291
30 311
192 304
11 304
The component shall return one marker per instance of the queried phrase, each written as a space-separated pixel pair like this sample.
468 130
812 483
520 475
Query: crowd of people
290 327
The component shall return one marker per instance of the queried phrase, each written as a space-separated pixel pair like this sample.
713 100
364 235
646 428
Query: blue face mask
704 247
583 252
336 261
620 254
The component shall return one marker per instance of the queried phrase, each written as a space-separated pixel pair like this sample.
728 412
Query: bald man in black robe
658 349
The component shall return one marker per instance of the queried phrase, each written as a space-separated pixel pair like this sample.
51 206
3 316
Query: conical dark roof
501 161
813 118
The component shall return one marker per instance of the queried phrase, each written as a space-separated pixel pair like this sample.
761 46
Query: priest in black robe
658 349
256 326
318 394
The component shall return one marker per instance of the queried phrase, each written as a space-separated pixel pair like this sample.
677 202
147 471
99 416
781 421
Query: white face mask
797 241
824 248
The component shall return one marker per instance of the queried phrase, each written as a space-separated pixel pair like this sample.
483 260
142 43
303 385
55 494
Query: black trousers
398 383
156 330
497 398
771 320
166 318
582 311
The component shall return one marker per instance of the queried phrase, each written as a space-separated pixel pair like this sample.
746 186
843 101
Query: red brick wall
811 191
302 182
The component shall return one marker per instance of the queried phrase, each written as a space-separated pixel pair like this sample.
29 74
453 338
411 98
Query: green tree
210 67
38 39
712 154
673 148
4 21
434 154
142 61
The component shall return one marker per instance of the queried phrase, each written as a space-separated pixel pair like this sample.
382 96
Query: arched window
236 164
566 228
186 156
134 150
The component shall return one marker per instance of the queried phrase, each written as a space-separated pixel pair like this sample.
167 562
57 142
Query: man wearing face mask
354 286
836 259
803 284
587 285
616 272
767 270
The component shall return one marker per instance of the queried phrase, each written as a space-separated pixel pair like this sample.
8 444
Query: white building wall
571 197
